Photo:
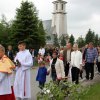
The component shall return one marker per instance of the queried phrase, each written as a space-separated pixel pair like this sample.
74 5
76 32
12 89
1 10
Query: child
6 67
22 87
41 76
40 58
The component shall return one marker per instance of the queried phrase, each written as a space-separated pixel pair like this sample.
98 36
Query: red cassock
8 97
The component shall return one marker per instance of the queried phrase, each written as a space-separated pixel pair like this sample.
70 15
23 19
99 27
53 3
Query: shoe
91 78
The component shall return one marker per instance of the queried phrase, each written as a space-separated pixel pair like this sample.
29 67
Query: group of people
60 62
22 63
71 61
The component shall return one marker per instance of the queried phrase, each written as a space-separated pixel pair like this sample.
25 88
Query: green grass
93 93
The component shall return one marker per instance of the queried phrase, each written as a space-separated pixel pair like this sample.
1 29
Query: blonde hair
2 48
42 63
75 45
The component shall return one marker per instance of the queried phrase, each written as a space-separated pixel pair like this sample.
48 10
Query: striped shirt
91 55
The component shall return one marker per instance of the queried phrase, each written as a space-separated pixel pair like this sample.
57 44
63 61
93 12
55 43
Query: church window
56 6
62 6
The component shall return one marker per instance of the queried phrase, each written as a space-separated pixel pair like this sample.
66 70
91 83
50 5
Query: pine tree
42 34
72 39
81 42
26 25
89 37
99 41
96 40
4 31
56 42
63 41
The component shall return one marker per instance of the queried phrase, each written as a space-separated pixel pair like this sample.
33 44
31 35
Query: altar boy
6 67
24 63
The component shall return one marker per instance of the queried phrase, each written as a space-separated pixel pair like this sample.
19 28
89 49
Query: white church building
58 24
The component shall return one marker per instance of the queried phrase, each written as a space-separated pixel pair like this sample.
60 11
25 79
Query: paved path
34 85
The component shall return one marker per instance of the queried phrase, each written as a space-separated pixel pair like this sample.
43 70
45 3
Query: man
32 53
91 58
76 63
10 53
84 52
24 62
67 58
41 51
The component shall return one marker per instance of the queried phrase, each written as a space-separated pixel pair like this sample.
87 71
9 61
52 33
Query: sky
81 14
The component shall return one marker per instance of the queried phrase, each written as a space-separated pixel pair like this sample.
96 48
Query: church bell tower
59 19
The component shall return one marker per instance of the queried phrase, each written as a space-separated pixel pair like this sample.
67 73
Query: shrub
62 91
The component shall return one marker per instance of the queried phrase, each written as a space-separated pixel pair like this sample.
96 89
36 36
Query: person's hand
94 62
70 65
59 78
48 72
81 67
18 63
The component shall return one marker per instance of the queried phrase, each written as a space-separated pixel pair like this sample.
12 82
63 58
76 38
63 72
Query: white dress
22 79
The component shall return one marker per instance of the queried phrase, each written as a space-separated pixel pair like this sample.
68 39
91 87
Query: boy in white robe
6 67
24 61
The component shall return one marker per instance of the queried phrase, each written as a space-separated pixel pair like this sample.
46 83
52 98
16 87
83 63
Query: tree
99 41
89 37
4 31
63 41
27 27
96 40
42 34
72 39
80 42
56 42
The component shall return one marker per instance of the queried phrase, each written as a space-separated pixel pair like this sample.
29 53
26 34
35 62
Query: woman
56 68
76 63
6 67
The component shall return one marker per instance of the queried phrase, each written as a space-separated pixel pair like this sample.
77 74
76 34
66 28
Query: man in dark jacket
67 58
10 53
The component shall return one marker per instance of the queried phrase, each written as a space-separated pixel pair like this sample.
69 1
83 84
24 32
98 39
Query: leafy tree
72 39
27 27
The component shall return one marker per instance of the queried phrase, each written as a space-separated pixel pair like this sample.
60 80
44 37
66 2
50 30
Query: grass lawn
93 93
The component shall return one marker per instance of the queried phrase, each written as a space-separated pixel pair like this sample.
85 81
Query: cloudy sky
81 14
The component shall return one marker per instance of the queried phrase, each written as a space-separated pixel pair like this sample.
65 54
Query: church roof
47 26
57 1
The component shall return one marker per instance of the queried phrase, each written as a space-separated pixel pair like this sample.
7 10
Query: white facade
59 20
